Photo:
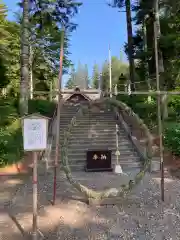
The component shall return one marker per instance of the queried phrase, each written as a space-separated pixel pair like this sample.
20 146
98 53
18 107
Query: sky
98 27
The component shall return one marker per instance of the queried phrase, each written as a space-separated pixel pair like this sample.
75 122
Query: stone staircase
96 130
67 113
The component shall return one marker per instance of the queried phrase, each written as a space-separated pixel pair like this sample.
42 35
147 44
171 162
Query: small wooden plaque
98 161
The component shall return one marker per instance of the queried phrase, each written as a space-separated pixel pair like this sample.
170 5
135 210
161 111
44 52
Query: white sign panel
35 134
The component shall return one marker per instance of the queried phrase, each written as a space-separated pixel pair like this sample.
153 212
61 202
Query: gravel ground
140 216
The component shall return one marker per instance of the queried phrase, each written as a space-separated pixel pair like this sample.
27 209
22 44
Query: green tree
167 28
3 46
95 76
24 84
47 16
118 68
105 77
130 50
168 41
71 81
79 77
43 48
86 76
13 57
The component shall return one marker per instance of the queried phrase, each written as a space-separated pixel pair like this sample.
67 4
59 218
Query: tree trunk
146 63
160 62
130 44
24 84
31 71
51 91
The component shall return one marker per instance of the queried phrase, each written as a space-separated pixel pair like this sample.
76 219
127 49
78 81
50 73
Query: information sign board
35 134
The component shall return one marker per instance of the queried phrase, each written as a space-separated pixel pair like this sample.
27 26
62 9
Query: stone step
82 159
83 135
100 114
63 127
103 129
91 118
65 123
65 120
88 123
135 162
68 114
79 131
101 140
130 170
79 147
130 163
67 117
97 126
94 135
95 123
70 110
97 129
82 125
89 136
83 151
87 119
81 155
84 143
82 166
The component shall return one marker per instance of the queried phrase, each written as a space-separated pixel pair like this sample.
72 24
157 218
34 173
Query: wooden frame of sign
35 134
37 139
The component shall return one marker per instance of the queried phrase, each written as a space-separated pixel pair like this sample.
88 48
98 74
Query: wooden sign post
35 133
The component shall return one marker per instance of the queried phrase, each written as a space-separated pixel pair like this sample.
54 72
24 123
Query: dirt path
141 216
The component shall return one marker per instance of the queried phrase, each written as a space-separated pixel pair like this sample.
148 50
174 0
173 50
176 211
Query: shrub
43 107
11 141
172 138
146 111
174 105
8 113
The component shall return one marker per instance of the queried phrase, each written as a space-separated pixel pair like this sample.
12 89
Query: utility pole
110 73
59 84
156 9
